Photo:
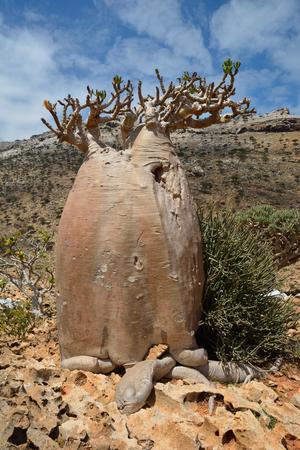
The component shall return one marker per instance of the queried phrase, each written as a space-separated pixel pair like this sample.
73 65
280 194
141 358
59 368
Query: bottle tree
129 270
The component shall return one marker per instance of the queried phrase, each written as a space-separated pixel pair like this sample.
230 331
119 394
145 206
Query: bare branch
24 263
172 107
161 81
141 98
70 125
180 106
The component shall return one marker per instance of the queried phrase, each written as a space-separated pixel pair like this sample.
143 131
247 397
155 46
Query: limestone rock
156 351
49 408
241 429
41 440
296 400
257 392
287 415
73 428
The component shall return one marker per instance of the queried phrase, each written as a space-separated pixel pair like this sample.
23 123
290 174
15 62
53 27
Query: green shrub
273 220
241 322
25 262
17 321
280 226
240 152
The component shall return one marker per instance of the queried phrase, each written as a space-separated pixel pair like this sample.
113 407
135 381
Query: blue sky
51 48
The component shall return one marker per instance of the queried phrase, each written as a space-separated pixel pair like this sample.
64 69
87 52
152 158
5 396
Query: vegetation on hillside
270 219
281 227
17 320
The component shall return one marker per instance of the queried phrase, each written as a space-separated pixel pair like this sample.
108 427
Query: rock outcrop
276 121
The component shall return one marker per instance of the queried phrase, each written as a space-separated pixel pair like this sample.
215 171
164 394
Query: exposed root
230 372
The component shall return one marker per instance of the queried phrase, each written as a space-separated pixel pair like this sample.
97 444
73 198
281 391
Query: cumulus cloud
165 36
35 69
265 35
253 27
49 60
257 84
140 56
29 65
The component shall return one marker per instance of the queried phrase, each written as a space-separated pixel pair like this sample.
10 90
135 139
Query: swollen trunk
128 256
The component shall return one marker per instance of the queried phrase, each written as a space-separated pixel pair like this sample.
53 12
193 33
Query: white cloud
29 65
265 35
257 86
44 59
164 34
34 69
140 56
252 27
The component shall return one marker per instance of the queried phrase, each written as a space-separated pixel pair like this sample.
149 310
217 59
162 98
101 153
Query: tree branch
180 106
70 125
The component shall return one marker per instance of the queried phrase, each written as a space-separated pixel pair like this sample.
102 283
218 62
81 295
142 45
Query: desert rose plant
129 267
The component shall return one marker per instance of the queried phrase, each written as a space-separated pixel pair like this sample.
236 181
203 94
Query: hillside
251 161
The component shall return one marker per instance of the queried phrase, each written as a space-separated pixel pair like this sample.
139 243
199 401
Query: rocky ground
45 407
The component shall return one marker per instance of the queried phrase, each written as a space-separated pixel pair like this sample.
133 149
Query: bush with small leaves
271 219
241 322
25 263
280 226
18 320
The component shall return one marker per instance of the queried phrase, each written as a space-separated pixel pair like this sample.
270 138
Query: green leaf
100 95
117 79
3 283
186 76
227 66
236 66
241 322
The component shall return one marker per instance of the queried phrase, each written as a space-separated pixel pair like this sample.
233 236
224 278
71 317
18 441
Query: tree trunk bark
129 266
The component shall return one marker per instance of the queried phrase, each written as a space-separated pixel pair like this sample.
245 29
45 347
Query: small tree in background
17 320
25 263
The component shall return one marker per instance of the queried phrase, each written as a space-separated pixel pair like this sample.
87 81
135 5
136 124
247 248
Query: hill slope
250 161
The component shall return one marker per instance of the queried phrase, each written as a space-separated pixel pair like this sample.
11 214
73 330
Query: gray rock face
276 121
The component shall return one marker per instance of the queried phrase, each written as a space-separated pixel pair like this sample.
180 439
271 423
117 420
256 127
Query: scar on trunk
159 173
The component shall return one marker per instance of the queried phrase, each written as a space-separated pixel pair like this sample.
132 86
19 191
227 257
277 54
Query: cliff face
250 161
